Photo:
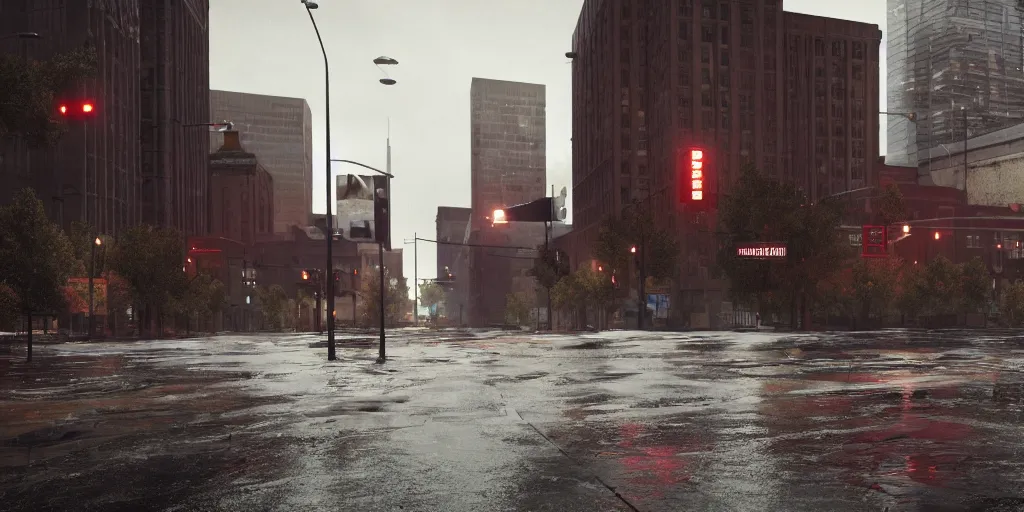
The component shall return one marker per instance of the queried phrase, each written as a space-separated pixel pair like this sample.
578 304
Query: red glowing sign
696 175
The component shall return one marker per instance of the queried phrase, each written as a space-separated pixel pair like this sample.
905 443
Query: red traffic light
305 275
77 108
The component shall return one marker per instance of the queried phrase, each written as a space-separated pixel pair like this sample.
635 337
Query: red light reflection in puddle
654 468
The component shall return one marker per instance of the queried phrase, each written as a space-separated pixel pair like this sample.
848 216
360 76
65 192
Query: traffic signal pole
381 355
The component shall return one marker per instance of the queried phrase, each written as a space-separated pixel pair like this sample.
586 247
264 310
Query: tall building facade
956 65
507 143
795 95
508 167
92 174
279 131
137 159
175 87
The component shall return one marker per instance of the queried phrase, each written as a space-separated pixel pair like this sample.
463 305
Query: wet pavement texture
891 420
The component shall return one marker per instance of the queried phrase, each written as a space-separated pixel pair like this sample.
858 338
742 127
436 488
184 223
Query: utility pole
381 356
416 280
547 253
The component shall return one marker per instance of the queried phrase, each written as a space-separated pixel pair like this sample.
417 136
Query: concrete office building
508 167
279 131
92 174
175 86
947 59
507 143
795 95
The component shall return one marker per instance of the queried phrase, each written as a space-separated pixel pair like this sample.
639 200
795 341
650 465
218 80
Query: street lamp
310 5
331 356
97 242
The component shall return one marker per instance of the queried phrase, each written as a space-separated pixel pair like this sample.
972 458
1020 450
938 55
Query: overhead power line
485 246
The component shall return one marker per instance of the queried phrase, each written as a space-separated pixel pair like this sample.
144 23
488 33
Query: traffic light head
382 213
558 210
77 109
499 217
632 249
305 275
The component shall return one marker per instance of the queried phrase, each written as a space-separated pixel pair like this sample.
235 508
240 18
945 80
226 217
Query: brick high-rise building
175 88
279 131
92 174
795 95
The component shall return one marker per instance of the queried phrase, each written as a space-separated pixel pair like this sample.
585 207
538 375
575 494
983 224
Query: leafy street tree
203 297
274 304
517 309
1012 305
28 93
119 299
891 207
8 309
35 257
431 295
396 297
582 291
549 267
910 292
151 260
636 227
762 209
976 286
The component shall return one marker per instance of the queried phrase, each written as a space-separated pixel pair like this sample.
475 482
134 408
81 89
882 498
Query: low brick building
241 198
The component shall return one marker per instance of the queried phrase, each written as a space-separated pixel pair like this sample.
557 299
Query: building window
723 12
705 76
973 241
724 31
707 34
724 58
705 99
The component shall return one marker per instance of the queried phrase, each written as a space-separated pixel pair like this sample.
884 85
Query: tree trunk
28 331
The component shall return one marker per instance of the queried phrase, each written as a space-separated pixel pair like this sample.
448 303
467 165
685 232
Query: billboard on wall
80 288
354 196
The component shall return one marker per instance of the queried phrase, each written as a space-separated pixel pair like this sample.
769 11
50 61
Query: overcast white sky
269 47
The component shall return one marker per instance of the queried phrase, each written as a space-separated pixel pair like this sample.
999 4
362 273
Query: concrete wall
995 167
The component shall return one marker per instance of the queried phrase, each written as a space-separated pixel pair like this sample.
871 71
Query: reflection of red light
204 251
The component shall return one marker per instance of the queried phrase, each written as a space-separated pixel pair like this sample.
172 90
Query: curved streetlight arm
374 169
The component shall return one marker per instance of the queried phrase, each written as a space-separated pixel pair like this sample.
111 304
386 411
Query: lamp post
331 355
92 272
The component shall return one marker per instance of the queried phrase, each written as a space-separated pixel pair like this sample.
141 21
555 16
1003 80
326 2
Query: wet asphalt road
614 421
